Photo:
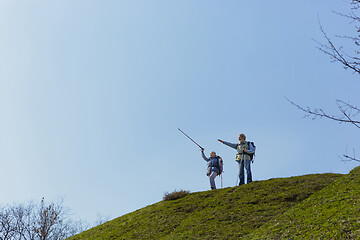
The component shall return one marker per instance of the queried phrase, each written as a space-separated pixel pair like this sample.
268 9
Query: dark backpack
217 165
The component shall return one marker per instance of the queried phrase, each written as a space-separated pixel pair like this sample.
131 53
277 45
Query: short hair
213 152
242 135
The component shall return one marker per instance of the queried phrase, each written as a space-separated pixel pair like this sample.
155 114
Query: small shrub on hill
175 195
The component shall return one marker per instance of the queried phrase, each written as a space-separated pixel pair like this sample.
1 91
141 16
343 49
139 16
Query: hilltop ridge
309 206
331 213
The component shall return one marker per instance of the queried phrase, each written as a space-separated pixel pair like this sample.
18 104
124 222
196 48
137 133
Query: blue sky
92 94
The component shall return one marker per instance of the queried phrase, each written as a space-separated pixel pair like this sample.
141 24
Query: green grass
332 213
250 211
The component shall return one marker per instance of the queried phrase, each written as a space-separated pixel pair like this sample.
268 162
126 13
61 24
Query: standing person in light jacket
242 157
214 167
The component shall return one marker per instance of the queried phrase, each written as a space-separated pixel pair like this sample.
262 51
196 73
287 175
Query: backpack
217 165
251 154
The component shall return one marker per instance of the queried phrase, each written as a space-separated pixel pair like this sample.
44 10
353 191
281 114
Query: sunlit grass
316 205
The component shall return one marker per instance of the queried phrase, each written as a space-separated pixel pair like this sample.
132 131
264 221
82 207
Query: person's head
242 137
212 154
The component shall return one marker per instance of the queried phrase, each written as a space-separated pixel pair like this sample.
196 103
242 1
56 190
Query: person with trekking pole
215 163
245 152
215 166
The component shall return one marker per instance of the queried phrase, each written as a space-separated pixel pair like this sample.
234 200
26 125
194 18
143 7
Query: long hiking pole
190 138
221 181
221 172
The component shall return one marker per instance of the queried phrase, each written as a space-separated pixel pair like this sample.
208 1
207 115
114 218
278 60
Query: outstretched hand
220 140
202 149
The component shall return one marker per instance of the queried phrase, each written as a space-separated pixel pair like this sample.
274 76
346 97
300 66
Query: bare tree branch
349 158
37 221
337 54
320 113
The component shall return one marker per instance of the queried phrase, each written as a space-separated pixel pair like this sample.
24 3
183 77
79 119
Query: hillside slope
332 213
228 213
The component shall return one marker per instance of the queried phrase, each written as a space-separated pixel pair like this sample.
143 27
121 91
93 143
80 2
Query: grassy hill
324 206
332 213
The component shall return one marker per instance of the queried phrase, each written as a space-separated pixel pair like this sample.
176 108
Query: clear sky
92 94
